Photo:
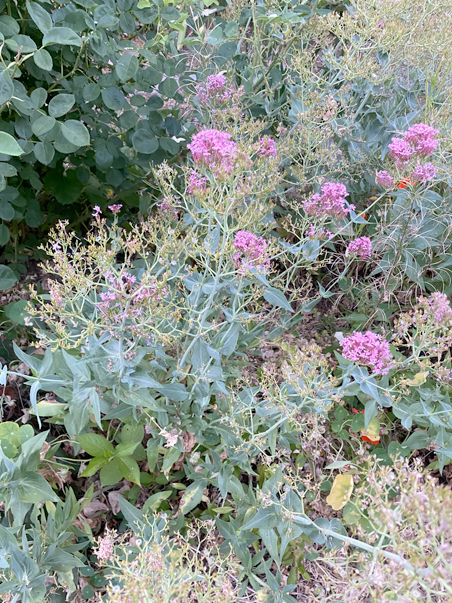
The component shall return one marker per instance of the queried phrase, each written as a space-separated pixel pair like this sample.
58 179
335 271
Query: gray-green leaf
62 35
61 104
9 146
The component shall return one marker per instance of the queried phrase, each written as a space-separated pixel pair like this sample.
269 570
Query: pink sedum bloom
115 209
214 89
361 247
214 149
422 138
384 179
437 306
369 349
251 252
330 203
423 173
196 183
400 150
267 147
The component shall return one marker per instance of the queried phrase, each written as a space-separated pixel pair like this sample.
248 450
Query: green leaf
9 431
144 141
16 311
75 132
7 278
192 496
40 16
153 502
417 440
171 456
43 59
43 124
44 152
169 87
132 434
129 469
33 488
264 518
61 104
123 450
126 67
111 474
113 98
133 516
6 87
61 35
96 445
7 211
9 146
277 298
93 466
5 234
26 432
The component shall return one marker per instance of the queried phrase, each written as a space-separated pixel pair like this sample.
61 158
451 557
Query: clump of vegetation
228 378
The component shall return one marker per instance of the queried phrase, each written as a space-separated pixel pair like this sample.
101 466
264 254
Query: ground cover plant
228 379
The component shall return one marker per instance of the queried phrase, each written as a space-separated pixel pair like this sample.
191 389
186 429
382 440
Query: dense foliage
230 377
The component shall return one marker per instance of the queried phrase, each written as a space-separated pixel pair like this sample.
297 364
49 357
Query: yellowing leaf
341 491
418 379
372 433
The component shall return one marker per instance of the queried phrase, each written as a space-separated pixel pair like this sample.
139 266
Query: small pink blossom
423 173
214 149
384 179
369 349
400 150
251 251
318 233
267 147
196 183
330 203
214 89
106 548
361 247
422 138
97 211
115 209
437 306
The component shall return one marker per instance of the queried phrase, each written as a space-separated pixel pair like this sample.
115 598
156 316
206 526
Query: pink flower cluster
214 89
384 179
361 246
214 149
438 307
251 252
318 233
125 298
115 209
418 140
423 173
196 183
266 147
330 203
367 348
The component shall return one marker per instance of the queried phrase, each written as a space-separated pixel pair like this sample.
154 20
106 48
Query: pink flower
252 251
438 306
422 138
318 233
367 348
267 147
214 89
214 149
97 211
115 209
384 179
400 150
106 548
361 246
330 204
423 173
197 183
